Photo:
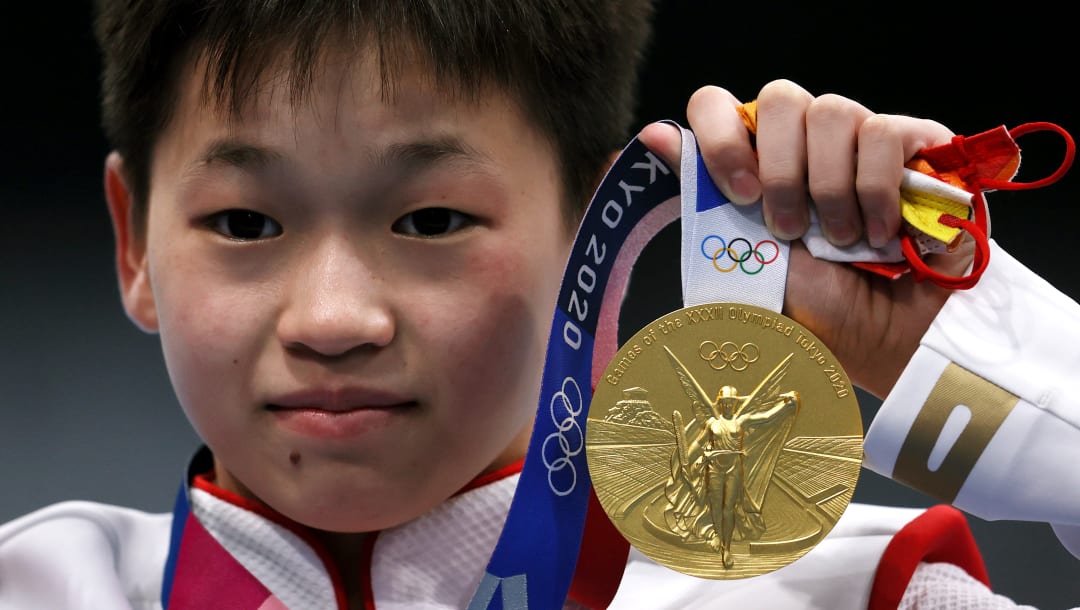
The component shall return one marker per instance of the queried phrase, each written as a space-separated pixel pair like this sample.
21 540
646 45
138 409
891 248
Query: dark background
86 408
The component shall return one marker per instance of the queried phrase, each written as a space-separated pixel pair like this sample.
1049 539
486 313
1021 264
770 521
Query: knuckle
781 184
938 127
830 108
781 94
831 193
718 152
931 132
704 97
873 195
880 127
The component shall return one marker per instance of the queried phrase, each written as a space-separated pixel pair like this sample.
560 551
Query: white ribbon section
727 252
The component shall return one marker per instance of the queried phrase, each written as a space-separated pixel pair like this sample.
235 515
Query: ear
133 272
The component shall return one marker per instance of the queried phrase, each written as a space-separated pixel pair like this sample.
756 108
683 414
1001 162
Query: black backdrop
86 407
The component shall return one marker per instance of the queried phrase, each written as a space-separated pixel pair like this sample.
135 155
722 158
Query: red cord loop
921 271
977 229
1066 163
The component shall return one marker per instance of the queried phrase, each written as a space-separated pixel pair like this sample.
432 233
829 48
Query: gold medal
724 440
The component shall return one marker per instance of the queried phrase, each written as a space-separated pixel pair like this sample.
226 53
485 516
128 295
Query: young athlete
348 224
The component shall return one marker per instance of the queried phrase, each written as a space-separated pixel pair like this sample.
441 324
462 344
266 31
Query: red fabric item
890 270
982 162
990 155
965 162
601 560
369 553
941 534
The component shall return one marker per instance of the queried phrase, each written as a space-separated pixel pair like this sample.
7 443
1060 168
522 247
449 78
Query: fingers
832 125
782 157
885 143
725 144
829 150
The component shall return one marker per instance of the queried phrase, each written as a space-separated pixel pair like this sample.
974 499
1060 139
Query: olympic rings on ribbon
729 354
731 252
569 445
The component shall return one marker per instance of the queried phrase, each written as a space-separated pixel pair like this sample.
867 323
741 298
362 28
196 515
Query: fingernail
788 224
745 186
839 232
876 233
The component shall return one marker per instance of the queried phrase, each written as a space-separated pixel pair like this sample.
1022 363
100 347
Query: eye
432 222
244 225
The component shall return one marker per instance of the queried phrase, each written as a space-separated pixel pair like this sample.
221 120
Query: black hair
571 64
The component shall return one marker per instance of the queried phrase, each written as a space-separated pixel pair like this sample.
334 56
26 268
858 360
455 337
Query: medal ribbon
727 255
535 558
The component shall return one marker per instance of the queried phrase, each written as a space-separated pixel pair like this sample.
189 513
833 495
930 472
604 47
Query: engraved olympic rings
739 257
568 439
729 354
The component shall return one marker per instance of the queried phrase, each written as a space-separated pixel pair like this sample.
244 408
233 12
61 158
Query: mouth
347 423
339 414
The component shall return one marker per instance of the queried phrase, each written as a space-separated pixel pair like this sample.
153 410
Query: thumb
665 141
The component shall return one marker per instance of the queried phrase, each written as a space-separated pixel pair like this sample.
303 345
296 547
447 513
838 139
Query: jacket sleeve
986 416
83 556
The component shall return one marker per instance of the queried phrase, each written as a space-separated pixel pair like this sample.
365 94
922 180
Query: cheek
210 334
497 333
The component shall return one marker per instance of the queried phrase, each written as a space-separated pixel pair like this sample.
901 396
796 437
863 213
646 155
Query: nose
337 303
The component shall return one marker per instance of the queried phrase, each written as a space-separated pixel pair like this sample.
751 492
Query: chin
347 519
333 506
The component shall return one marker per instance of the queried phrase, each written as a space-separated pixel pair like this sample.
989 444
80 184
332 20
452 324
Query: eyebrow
239 154
420 154
406 156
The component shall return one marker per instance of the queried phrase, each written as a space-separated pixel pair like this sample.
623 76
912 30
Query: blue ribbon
534 561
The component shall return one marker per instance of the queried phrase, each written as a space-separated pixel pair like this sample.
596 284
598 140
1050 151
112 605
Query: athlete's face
353 294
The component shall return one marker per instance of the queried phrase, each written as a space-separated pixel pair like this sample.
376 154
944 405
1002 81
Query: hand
849 161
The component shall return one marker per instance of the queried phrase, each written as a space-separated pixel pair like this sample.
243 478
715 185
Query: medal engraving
723 441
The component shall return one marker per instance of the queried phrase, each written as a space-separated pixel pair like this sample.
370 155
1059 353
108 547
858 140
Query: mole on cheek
294 458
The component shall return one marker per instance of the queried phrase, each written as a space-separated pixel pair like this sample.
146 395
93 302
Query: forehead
346 129
342 93
336 77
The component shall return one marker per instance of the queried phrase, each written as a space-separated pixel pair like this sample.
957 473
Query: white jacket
89 556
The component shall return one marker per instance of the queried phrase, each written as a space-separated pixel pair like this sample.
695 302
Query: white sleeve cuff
986 415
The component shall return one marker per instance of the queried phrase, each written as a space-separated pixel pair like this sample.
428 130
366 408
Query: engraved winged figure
724 459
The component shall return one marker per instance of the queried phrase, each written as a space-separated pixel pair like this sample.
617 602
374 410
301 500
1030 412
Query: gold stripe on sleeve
989 406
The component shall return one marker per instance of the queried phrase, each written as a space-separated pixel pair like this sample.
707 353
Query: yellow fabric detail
922 211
